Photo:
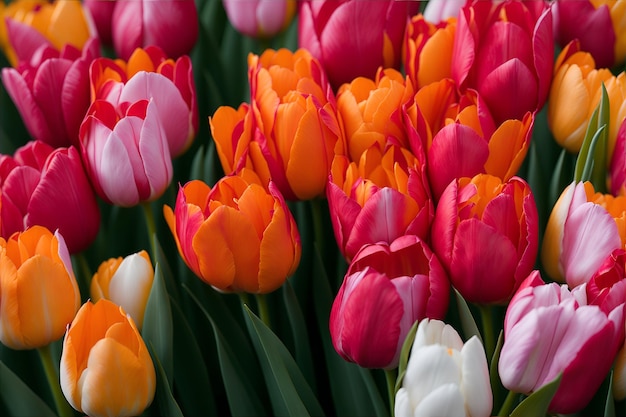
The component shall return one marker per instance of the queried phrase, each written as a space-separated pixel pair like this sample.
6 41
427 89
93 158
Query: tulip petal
445 400
476 386
25 39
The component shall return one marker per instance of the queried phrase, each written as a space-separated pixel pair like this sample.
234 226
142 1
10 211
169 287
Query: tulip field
383 208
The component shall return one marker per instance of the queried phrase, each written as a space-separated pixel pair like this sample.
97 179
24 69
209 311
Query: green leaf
467 320
300 335
289 392
166 270
236 381
494 375
191 380
157 324
609 408
18 399
537 403
557 181
166 403
404 354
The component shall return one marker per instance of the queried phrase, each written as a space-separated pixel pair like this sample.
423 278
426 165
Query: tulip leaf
236 381
467 319
18 399
289 392
404 354
352 388
299 330
558 180
609 408
166 403
537 403
191 380
494 375
161 259
157 324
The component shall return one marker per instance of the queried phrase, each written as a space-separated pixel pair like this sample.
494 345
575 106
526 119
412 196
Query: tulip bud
125 281
237 236
444 376
385 290
106 369
35 266
260 18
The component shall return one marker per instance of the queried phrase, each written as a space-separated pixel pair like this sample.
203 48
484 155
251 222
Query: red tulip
44 186
127 158
353 38
505 50
101 12
51 90
172 25
386 289
485 233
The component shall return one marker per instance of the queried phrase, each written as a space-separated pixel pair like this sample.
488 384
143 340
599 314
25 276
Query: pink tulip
549 329
505 50
386 289
485 233
50 88
171 25
127 157
607 287
260 18
353 38
101 12
380 198
44 186
598 26
617 165
582 231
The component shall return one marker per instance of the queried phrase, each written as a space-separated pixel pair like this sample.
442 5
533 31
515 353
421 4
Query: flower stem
318 226
488 335
508 405
62 406
151 225
84 277
391 376
264 313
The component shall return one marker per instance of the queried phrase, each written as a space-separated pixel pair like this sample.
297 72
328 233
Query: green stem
264 312
62 406
488 332
84 277
509 404
391 377
151 225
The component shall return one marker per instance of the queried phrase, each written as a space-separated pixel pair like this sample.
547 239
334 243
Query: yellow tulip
39 295
106 369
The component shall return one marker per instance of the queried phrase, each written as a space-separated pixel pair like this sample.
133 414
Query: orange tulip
39 295
371 111
428 50
236 236
60 22
125 281
106 369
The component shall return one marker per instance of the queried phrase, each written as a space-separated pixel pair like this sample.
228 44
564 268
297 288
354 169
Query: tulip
598 26
39 295
549 330
354 38
293 122
485 233
260 18
607 286
371 111
583 225
51 90
504 50
106 369
428 47
101 12
437 11
125 281
150 74
617 164
444 376
577 87
127 158
38 178
385 290
172 25
619 375
57 24
237 236
378 198
460 137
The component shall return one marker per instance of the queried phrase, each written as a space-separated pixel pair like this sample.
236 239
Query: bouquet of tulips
312 207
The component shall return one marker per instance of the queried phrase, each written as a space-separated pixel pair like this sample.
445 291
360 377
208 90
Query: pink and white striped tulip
444 376
582 231
127 157
549 330
386 289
